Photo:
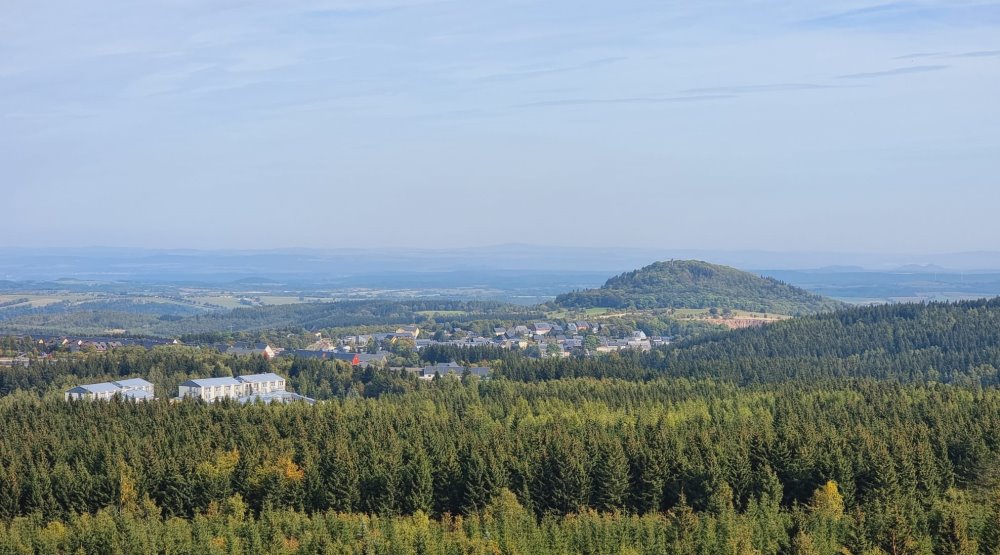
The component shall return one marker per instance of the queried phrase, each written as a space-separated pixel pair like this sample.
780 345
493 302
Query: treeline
503 527
171 320
167 366
952 343
858 465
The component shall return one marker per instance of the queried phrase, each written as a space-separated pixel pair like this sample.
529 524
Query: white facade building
134 389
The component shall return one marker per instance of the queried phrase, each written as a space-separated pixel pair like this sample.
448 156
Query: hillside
934 342
953 343
696 284
94 318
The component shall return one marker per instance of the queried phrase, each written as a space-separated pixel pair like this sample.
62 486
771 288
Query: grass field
704 313
442 313
37 301
582 314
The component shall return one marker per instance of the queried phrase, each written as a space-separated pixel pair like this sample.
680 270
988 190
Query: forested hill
696 284
946 342
954 343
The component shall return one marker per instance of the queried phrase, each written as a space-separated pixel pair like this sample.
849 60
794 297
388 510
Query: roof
256 378
105 387
133 382
211 382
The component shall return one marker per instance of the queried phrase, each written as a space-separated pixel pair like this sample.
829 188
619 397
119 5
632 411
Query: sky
770 125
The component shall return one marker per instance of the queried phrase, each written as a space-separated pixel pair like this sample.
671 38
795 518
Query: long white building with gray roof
266 387
135 389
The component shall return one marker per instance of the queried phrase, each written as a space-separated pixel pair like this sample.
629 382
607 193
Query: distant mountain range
315 265
697 284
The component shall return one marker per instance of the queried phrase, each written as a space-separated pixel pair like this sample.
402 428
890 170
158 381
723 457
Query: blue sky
833 126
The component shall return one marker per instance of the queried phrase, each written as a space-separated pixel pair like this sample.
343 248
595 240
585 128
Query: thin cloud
742 89
553 70
627 100
921 55
869 16
978 54
893 72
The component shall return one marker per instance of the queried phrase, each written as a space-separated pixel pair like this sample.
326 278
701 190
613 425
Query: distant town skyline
845 126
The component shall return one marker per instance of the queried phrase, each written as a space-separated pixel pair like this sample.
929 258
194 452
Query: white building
211 389
258 384
134 389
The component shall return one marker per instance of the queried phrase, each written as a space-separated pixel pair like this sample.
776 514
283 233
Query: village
537 339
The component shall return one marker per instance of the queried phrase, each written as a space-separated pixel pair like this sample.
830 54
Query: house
359 340
257 384
442 369
541 328
243 349
267 388
308 353
354 359
135 389
211 389
135 384
573 343
514 344
410 329
453 370
365 359
480 371
499 332
404 336
94 392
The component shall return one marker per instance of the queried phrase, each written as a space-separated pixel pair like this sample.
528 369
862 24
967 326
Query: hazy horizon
109 263
850 126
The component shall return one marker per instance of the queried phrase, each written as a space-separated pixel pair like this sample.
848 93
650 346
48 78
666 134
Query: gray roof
256 378
104 387
211 382
133 382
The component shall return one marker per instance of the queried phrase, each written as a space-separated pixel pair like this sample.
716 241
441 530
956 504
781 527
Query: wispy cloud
529 73
893 72
921 55
906 16
743 89
890 13
978 54
626 100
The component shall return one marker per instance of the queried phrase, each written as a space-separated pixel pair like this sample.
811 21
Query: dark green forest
165 320
696 284
871 430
